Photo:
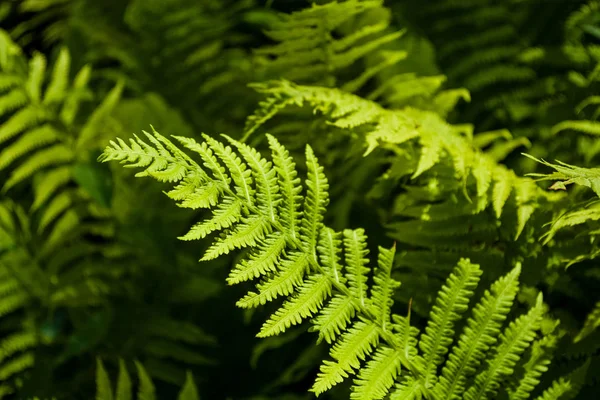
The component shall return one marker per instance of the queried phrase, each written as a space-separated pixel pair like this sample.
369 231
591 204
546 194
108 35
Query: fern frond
284 271
124 386
37 139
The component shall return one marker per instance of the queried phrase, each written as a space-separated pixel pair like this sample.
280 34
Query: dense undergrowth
416 179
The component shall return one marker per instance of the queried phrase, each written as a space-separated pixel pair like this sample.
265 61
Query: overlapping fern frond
583 217
447 195
324 275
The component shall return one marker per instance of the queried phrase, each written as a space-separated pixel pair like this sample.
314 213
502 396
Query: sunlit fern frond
324 275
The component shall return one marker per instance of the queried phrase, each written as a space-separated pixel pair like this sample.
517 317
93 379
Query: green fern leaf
17 343
99 118
306 50
408 389
573 218
24 119
55 208
227 214
324 275
50 182
16 365
52 156
74 99
146 390
291 271
260 261
267 188
290 188
30 141
13 100
526 196
242 177
356 251
246 234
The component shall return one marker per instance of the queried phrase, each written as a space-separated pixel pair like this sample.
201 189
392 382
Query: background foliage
418 113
